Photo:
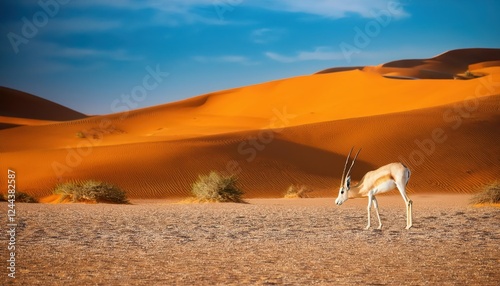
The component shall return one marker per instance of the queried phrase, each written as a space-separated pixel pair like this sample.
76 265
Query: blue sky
88 54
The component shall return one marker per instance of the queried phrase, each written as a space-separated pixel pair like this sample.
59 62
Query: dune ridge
278 133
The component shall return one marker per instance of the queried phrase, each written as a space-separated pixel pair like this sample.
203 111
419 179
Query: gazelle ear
348 182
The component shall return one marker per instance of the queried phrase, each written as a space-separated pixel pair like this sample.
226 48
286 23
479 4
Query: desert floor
264 242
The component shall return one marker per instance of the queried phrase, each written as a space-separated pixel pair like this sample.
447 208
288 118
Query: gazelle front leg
370 201
375 205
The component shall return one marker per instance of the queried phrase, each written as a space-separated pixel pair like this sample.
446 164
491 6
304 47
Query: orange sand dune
296 101
291 131
483 65
442 158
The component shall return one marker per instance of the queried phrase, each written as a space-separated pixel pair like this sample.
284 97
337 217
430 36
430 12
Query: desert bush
25 198
297 191
215 187
91 191
471 75
488 194
80 134
20 198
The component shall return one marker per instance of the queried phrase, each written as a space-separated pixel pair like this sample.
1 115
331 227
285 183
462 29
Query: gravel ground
264 242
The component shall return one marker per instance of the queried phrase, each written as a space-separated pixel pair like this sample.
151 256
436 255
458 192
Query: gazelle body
384 179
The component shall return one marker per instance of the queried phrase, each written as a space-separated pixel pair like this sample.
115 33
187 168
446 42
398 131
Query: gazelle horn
345 166
352 164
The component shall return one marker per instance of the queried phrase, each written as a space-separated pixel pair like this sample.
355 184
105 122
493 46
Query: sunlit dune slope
20 108
291 131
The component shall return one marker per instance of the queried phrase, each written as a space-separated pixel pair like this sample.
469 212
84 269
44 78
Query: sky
101 57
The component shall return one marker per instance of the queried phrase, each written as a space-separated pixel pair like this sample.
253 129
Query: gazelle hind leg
409 216
408 203
375 205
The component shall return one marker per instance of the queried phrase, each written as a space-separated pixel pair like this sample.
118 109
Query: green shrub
489 194
296 191
91 191
215 187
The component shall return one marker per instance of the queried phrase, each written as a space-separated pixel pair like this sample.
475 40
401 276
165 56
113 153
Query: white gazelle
384 179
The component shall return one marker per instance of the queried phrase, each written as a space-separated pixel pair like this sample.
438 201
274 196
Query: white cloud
318 54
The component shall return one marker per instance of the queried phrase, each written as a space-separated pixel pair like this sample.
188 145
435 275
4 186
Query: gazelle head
345 183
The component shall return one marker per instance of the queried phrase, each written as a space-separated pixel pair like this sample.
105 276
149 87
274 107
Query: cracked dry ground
265 242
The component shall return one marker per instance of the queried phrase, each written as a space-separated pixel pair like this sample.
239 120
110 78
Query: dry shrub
20 198
296 191
215 187
90 191
489 194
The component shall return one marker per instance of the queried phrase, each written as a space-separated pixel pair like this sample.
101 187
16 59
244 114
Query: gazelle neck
354 191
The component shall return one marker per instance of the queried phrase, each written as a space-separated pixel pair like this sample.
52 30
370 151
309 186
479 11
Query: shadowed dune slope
20 108
274 134
447 65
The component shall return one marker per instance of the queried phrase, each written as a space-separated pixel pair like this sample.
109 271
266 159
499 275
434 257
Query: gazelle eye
342 192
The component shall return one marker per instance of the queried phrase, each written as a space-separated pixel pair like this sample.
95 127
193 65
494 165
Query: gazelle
384 179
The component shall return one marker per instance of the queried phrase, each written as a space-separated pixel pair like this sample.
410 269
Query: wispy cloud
231 59
318 54
177 12
89 53
335 8
81 24
266 35
169 13
53 57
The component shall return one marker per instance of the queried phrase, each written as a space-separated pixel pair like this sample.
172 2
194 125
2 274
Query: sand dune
444 66
291 131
